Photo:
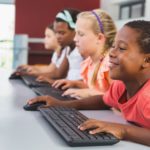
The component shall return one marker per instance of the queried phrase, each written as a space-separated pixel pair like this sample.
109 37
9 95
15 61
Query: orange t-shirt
87 70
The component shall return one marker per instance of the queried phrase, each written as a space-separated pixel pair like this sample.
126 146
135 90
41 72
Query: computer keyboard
31 81
54 92
66 121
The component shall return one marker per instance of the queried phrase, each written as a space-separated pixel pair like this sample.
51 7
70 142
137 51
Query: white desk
26 130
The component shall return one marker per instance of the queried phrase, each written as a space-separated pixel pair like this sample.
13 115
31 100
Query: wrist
125 131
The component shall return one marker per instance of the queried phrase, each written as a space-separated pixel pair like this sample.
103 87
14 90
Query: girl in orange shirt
95 32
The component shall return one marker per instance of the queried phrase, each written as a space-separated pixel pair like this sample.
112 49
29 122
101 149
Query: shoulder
75 53
54 57
114 92
144 94
143 106
116 87
144 98
64 50
85 64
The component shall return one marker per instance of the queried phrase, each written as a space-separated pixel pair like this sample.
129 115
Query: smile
112 65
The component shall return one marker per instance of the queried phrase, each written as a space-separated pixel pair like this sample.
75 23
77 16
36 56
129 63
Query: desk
26 130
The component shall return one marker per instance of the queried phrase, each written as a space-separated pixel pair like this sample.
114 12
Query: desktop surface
28 130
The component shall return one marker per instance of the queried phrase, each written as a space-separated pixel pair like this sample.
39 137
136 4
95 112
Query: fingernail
91 132
81 128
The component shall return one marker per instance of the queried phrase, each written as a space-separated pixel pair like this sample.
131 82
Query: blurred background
22 24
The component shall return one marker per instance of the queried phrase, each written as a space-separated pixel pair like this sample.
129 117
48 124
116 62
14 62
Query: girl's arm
91 103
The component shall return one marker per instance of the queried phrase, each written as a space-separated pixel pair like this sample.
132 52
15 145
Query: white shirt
74 59
58 60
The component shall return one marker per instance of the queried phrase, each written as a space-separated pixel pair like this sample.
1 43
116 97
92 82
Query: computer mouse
34 106
14 76
17 74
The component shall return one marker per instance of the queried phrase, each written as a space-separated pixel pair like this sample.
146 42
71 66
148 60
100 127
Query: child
64 27
95 32
129 63
50 43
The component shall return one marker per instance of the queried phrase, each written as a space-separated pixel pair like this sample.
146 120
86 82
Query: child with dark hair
69 66
129 63
64 27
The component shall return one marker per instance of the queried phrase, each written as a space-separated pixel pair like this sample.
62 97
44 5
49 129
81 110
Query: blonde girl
95 32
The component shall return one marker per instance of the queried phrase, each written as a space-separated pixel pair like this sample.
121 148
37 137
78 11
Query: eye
117 47
122 48
80 33
113 46
61 33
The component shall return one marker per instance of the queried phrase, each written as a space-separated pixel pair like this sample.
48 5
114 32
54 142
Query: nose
58 36
113 52
75 38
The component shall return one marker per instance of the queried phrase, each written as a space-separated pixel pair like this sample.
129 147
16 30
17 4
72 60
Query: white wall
112 7
147 10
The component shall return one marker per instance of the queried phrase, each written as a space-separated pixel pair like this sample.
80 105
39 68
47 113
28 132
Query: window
131 9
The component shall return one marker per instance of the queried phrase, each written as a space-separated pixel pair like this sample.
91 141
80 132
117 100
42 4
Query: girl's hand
77 93
50 101
63 83
44 79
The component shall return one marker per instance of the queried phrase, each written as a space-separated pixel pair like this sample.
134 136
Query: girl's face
63 33
86 40
50 40
126 59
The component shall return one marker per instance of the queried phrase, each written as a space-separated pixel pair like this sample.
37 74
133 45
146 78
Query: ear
146 61
101 38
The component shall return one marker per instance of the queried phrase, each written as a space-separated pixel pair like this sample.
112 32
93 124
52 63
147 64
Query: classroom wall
32 16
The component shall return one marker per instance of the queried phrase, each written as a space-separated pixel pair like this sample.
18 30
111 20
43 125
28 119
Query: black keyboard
31 81
66 121
51 91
